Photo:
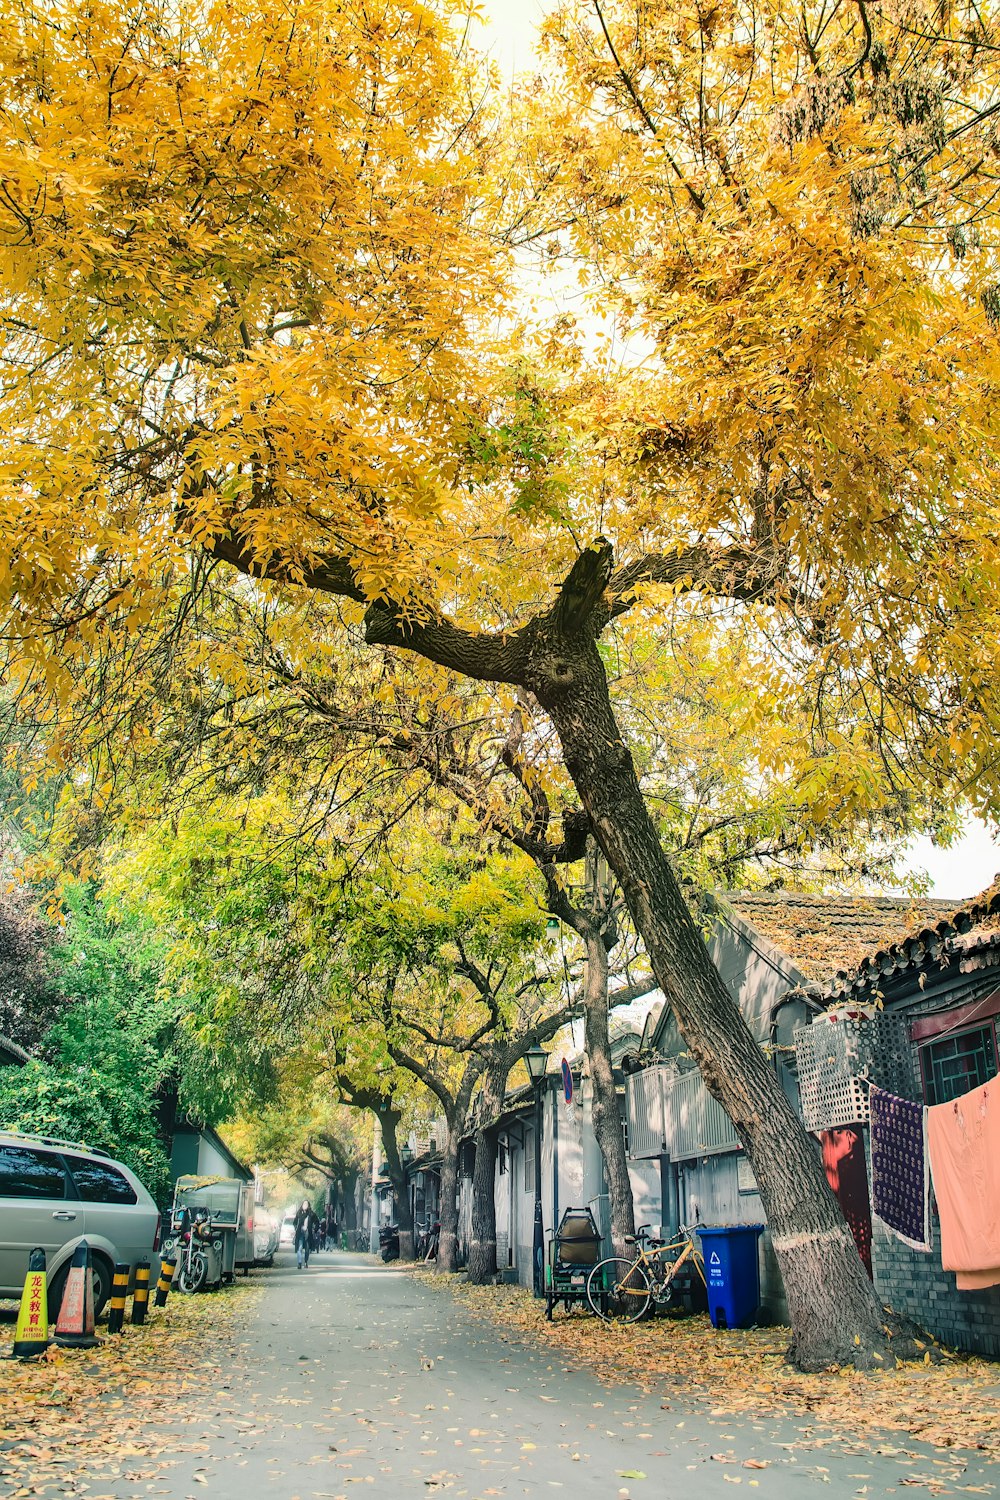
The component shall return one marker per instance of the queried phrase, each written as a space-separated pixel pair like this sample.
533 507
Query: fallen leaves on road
75 1417
952 1405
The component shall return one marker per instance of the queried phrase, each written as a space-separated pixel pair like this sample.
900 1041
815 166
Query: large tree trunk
483 1246
388 1120
605 1111
836 1316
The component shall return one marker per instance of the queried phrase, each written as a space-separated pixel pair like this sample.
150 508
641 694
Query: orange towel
964 1140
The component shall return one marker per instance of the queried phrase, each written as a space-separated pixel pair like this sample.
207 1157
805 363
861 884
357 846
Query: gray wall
718 1190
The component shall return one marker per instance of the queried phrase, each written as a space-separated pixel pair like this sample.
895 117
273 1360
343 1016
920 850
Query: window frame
986 1026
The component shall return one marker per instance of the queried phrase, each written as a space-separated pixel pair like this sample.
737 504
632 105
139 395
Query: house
572 1166
920 1017
197 1151
841 991
774 951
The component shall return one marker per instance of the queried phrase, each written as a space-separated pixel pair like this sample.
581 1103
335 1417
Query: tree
265 360
106 1058
29 1000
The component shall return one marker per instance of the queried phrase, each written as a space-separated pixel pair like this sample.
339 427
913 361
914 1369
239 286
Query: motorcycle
388 1242
426 1247
197 1248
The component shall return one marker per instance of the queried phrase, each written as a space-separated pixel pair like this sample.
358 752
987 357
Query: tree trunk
349 1190
605 1111
388 1120
836 1316
447 1256
483 1246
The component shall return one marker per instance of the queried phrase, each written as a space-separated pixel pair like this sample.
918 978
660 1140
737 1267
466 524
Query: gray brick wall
914 1284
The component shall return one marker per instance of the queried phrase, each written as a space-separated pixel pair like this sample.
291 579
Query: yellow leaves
735 1374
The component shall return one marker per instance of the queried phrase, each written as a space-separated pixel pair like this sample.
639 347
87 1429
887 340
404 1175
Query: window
955 1064
31 1174
529 1159
99 1182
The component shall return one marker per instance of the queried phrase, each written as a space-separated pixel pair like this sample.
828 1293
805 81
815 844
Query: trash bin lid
729 1229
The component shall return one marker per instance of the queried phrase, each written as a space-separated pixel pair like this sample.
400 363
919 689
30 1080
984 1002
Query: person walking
305 1224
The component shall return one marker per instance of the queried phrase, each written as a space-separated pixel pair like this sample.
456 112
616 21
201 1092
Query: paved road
355 1379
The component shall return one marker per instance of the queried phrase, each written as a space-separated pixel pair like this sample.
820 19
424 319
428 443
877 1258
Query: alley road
355 1379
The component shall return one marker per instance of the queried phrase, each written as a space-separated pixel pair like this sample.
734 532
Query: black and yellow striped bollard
167 1268
119 1290
140 1297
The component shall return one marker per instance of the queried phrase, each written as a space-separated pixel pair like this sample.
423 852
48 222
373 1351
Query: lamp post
536 1062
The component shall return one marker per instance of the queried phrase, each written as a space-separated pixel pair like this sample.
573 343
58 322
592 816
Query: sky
509 30
969 866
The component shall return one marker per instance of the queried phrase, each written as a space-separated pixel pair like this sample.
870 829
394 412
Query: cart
230 1202
573 1250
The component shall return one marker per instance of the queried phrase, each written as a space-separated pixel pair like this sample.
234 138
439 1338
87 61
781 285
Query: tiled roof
970 935
824 935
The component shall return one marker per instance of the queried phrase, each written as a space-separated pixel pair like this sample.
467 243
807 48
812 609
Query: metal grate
697 1125
837 1058
674 1112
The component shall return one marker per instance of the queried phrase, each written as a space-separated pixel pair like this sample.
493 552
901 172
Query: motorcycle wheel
191 1276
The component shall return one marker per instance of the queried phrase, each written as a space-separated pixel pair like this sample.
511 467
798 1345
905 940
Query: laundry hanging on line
900 1179
963 1137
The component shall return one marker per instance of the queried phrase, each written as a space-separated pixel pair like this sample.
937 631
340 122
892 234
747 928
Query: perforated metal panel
837 1059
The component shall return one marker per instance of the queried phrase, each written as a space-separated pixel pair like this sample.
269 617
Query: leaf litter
951 1406
74 1417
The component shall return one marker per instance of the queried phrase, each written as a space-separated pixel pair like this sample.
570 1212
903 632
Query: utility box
732 1273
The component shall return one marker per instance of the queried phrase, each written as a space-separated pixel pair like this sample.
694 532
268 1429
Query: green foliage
97 1107
110 1051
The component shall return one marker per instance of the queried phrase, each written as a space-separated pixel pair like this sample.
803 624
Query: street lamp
536 1061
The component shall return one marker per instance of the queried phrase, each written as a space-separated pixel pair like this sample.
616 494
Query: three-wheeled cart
573 1250
229 1200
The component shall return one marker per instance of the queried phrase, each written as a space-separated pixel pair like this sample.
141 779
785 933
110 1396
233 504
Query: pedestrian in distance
305 1224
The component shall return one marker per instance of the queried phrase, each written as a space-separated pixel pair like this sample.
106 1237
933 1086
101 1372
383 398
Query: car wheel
103 1275
101 1272
56 1288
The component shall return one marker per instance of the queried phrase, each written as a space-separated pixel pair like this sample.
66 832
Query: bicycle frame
654 1262
662 1275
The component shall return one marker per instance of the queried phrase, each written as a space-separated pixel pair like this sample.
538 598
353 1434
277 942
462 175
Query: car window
99 1182
25 1173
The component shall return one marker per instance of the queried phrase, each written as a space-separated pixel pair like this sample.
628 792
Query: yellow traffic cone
32 1334
75 1324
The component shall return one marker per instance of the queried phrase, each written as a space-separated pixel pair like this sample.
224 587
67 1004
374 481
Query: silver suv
53 1194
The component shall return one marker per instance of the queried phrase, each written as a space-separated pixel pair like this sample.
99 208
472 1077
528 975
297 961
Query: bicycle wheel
618 1290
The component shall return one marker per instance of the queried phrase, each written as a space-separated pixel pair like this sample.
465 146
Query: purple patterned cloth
901 1167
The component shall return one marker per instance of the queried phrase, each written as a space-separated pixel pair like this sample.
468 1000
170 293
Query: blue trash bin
731 1272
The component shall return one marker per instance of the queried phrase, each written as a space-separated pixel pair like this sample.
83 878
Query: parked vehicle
53 1193
428 1236
229 1201
198 1247
388 1242
286 1238
266 1233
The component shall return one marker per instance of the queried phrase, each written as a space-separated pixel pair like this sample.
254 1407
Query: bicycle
623 1291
